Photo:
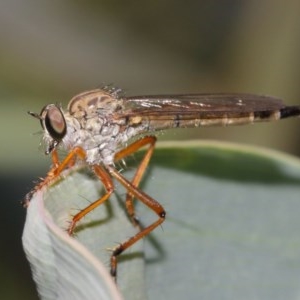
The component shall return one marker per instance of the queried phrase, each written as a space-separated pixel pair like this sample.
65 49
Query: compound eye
54 122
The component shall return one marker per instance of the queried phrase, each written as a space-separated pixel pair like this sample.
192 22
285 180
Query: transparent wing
207 105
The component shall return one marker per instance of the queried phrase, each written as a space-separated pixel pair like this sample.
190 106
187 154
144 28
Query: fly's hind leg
148 140
148 201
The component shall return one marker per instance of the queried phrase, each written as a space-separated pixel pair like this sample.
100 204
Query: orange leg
98 170
109 186
148 201
148 140
55 171
58 166
71 162
68 160
55 159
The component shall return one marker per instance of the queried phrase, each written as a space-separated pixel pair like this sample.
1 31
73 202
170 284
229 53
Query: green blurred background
51 50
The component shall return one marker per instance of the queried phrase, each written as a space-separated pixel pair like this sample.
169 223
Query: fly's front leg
148 201
55 171
148 140
69 160
55 159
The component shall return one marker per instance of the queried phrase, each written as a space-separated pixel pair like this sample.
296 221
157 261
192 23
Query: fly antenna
35 115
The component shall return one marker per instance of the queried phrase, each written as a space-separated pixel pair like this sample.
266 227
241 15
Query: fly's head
54 125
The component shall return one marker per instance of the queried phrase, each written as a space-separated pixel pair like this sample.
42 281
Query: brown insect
99 124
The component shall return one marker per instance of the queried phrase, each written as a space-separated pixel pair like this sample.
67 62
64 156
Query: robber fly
98 125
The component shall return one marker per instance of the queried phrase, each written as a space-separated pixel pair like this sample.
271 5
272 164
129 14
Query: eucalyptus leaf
231 230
